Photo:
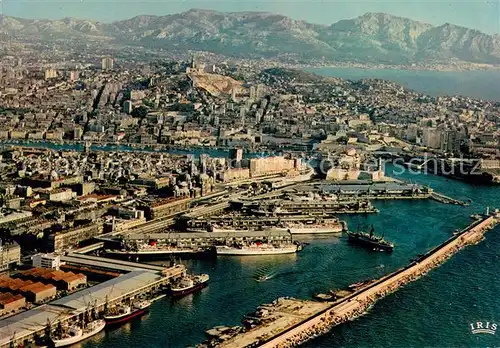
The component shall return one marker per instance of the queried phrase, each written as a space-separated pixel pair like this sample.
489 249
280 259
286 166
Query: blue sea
476 84
435 311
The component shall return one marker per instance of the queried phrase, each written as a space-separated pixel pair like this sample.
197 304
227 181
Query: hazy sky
482 15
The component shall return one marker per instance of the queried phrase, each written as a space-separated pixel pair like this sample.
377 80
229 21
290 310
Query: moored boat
189 284
318 228
76 334
125 313
370 240
151 253
257 249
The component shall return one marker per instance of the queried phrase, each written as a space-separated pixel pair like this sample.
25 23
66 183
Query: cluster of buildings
195 104
37 285
67 197
59 200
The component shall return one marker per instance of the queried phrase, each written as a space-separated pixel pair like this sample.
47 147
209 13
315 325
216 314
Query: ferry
257 249
76 334
189 284
125 313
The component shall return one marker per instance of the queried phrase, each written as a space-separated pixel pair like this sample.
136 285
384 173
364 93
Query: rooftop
109 290
208 235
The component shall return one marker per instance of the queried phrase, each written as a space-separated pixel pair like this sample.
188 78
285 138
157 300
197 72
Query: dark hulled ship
370 240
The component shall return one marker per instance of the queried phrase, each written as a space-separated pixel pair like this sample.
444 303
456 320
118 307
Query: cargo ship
125 313
257 249
189 284
76 334
370 240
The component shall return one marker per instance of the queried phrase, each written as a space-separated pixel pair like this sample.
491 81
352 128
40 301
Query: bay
475 84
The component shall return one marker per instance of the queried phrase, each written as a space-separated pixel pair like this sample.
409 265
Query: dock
22 328
288 328
107 264
447 200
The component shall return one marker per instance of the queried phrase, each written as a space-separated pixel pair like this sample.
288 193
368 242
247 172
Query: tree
140 112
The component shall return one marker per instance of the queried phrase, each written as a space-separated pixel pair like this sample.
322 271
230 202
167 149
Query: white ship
76 334
296 228
149 251
257 249
319 228
315 230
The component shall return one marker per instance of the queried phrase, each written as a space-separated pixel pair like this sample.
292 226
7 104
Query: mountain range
371 38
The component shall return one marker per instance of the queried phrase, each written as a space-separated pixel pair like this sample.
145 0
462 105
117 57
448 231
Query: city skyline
483 16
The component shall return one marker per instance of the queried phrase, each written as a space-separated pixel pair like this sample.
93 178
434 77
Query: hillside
371 38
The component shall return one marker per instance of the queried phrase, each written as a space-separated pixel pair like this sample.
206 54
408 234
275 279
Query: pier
447 200
269 222
303 320
106 264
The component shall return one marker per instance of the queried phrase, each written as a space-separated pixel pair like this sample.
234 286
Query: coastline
438 67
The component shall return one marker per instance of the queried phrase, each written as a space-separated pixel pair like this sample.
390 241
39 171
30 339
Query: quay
447 200
196 240
242 222
288 328
107 264
287 207
22 329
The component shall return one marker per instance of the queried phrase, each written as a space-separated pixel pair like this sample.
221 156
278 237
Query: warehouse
11 303
38 292
62 280
34 292
112 290
204 239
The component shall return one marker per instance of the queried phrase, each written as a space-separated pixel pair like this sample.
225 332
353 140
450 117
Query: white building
107 63
10 254
128 106
50 74
51 261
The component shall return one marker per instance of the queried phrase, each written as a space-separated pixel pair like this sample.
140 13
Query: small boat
330 296
189 284
263 278
76 334
125 313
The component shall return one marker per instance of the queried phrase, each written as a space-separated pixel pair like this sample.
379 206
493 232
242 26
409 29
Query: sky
482 15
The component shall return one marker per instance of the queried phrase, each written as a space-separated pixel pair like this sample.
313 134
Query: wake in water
265 274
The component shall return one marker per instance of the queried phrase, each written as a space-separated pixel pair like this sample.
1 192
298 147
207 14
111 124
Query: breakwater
359 302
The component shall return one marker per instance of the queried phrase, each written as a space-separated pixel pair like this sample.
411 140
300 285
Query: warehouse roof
208 235
109 290
101 262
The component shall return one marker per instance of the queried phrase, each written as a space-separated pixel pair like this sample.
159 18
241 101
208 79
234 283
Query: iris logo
483 327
